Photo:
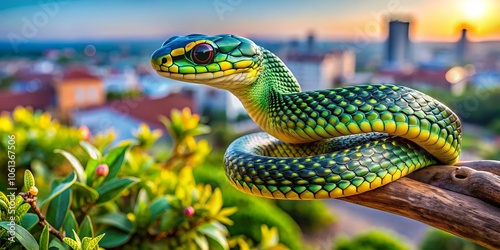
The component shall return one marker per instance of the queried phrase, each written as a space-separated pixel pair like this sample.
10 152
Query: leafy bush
117 95
372 240
254 210
473 106
101 204
440 240
36 136
310 215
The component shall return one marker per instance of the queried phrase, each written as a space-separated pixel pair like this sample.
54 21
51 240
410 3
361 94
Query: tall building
311 42
462 47
398 44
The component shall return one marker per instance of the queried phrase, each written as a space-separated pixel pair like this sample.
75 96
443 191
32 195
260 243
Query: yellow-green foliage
120 197
372 240
439 240
36 136
312 216
254 210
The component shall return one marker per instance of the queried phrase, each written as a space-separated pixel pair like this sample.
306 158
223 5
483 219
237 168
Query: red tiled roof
78 73
309 57
149 110
435 77
46 79
38 100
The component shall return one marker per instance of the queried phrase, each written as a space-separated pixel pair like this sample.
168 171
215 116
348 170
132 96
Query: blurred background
87 64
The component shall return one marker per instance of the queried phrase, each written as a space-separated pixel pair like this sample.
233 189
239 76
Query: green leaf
44 238
170 220
214 232
90 170
219 226
158 207
91 243
72 243
215 202
91 150
22 235
70 224
65 184
114 238
55 243
29 180
110 190
77 166
118 220
95 241
58 208
200 130
86 228
23 209
141 209
29 220
201 241
18 201
86 191
4 198
77 238
85 242
4 206
114 159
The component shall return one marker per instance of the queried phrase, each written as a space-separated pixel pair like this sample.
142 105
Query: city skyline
76 20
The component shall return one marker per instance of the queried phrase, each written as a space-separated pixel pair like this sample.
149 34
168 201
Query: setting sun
474 9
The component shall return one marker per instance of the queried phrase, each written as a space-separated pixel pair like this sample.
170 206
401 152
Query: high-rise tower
398 44
462 47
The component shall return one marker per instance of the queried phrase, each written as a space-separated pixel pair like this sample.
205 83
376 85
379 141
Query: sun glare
474 9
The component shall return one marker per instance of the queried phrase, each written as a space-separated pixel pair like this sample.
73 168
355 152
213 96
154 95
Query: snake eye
202 53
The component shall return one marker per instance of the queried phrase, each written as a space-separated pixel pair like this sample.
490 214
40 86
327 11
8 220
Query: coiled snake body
319 144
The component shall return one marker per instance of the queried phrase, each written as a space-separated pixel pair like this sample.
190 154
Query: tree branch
30 199
463 200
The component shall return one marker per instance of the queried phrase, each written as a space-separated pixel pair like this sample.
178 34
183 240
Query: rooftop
78 72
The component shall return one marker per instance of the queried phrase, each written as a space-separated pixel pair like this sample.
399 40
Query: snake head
222 61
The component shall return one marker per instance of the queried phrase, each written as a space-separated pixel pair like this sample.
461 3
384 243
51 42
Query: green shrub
123 197
36 135
253 211
372 240
440 240
310 215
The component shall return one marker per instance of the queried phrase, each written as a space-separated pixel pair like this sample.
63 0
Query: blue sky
343 19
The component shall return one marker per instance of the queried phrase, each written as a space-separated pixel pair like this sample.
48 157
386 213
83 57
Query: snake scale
318 144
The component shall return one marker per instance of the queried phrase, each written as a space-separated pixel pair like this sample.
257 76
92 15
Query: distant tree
6 82
372 240
115 95
440 240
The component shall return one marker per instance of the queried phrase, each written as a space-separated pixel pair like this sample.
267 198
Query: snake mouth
216 79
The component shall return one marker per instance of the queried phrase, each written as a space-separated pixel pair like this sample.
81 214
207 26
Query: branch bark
30 199
463 200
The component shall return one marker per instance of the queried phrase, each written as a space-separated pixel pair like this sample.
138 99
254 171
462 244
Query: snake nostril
163 60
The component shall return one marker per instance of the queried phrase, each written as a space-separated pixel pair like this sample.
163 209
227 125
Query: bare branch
480 184
459 200
30 199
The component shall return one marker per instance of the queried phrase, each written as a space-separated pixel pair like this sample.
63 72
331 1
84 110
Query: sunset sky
432 20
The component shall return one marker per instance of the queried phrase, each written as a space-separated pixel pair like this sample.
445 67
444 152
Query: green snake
318 144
